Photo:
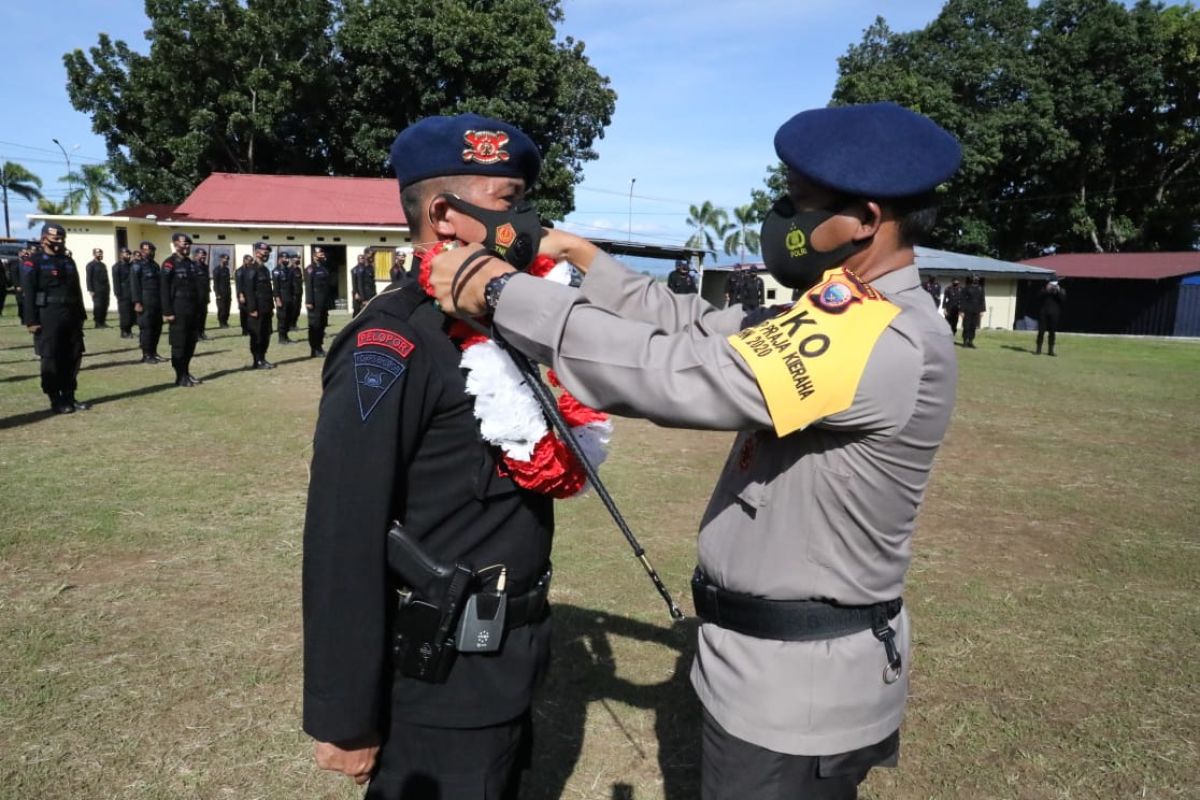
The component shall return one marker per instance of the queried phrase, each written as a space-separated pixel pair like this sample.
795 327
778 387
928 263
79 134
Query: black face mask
513 235
787 250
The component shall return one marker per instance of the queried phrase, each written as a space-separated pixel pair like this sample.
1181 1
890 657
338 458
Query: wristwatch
491 292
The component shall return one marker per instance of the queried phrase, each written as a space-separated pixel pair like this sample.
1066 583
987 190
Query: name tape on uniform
808 361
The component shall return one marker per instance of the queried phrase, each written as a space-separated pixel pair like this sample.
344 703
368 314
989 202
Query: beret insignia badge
485 147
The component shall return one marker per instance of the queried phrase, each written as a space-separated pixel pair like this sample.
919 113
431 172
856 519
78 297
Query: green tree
743 236
322 86
21 182
711 224
1079 119
92 186
47 206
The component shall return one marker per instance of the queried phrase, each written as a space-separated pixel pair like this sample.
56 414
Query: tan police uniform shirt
825 512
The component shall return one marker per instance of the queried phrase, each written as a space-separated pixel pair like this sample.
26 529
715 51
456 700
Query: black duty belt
524 609
796 620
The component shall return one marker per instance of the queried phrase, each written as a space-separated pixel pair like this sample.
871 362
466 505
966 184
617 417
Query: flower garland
508 413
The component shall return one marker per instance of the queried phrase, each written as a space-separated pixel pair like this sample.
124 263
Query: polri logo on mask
786 250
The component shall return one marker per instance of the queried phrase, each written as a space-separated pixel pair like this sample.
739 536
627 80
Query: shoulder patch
381 337
374 374
808 361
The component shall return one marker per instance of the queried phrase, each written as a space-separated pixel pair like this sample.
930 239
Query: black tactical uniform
97 286
180 300
14 280
281 286
239 285
121 290
3 284
54 300
220 279
145 287
952 305
318 293
260 308
973 306
747 290
203 296
396 438
681 281
362 279
296 297
1052 297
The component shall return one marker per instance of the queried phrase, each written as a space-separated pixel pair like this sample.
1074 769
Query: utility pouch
481 627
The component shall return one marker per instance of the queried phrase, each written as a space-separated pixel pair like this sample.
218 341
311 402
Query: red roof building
1128 266
321 200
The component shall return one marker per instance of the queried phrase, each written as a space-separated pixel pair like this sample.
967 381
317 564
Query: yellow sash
808 361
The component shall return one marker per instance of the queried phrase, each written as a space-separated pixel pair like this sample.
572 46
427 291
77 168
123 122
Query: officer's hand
353 759
308 306
33 328
463 294
563 246
137 307
254 314
170 318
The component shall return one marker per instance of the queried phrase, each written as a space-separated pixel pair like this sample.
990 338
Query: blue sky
702 86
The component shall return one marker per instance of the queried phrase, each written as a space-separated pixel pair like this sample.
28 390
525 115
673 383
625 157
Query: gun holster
431 603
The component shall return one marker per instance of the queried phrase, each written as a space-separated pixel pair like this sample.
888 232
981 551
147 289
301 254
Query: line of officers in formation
176 292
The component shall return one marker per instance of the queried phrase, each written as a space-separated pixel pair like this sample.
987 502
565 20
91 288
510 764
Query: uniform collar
898 280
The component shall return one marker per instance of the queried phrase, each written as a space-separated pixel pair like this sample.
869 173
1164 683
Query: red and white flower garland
508 413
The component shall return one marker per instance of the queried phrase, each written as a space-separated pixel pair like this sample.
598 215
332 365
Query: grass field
149 586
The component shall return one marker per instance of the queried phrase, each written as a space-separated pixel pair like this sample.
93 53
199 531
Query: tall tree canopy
1079 119
322 86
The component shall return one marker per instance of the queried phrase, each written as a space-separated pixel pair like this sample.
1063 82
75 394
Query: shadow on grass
134 349
583 671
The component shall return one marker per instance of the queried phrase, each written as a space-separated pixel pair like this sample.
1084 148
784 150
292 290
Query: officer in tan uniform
840 403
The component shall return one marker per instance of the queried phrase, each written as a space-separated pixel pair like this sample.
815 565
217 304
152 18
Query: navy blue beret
262 245
177 235
874 150
53 226
466 144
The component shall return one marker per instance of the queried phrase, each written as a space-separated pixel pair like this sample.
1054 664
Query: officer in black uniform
396 439
681 280
973 306
96 276
203 292
14 280
145 287
54 314
952 305
281 286
398 271
181 306
1051 297
239 284
296 299
120 281
318 292
362 283
260 305
220 279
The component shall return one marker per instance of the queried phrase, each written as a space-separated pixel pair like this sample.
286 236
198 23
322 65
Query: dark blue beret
53 226
467 144
262 245
875 150
177 235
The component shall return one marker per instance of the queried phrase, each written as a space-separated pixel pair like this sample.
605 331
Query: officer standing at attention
840 404
296 298
203 292
973 306
181 307
120 282
398 271
220 277
239 283
98 288
281 280
318 291
362 283
397 439
260 305
1052 297
952 306
681 280
145 287
54 314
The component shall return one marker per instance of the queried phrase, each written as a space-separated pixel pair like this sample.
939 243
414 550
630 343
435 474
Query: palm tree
743 237
709 221
48 206
93 185
21 182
